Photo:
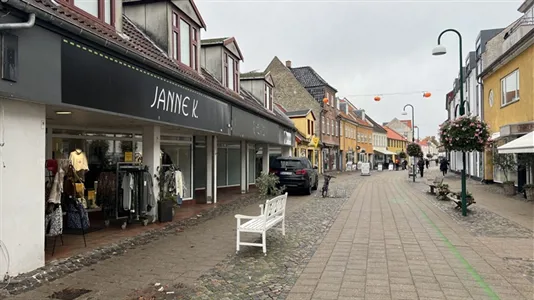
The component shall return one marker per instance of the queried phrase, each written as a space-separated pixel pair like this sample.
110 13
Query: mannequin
79 162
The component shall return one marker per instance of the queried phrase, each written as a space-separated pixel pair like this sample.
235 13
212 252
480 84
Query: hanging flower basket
465 134
414 149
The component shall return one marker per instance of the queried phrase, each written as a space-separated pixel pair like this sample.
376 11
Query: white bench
433 184
272 213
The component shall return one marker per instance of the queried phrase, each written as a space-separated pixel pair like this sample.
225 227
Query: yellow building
396 142
508 93
307 143
356 139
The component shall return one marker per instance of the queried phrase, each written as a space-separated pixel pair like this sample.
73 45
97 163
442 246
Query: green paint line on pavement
464 262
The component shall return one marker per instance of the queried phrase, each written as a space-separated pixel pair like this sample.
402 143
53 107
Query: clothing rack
138 207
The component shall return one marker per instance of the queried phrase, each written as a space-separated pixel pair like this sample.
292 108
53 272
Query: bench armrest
261 208
245 217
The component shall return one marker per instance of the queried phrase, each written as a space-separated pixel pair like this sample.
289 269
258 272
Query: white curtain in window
107 11
185 43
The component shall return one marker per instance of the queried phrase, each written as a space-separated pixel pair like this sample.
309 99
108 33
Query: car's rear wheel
316 185
308 190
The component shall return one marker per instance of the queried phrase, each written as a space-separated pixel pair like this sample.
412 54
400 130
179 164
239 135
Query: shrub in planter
267 185
402 155
443 191
414 149
464 134
507 163
529 190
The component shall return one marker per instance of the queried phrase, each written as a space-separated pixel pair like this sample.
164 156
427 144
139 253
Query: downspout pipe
114 46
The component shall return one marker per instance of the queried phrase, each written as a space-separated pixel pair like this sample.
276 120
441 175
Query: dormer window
231 73
184 41
100 9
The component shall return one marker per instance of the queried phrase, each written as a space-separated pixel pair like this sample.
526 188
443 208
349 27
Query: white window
185 43
510 88
268 97
332 127
230 74
323 124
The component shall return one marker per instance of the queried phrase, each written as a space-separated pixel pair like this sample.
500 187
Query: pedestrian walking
421 165
427 162
444 166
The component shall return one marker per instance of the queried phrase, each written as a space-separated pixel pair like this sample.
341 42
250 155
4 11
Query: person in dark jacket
427 162
421 165
444 166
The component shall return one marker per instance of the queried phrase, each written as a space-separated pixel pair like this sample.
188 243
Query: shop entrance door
181 157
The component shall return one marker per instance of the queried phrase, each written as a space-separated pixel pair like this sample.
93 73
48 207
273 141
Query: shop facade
112 110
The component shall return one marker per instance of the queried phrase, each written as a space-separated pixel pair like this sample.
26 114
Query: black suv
295 173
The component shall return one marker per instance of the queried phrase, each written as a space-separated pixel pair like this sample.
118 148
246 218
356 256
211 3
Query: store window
184 41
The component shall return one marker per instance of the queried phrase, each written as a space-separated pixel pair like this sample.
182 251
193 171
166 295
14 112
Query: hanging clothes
127 188
54 221
106 190
179 186
77 217
57 187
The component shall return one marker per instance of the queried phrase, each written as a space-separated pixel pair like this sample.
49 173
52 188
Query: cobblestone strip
251 275
483 261
61 268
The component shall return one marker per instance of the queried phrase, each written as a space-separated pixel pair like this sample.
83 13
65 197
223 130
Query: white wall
22 160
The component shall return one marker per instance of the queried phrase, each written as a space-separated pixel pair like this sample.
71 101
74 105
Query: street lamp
418 137
440 50
404 113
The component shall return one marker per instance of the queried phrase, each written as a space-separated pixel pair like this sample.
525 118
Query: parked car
295 173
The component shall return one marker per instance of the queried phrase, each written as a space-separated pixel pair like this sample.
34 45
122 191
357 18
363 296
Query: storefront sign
249 126
94 79
517 129
287 138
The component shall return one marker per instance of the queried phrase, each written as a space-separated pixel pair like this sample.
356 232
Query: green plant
507 163
464 134
402 155
99 148
267 184
428 155
414 149
528 186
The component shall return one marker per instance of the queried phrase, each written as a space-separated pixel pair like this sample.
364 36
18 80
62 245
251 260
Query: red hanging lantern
427 94
377 98
325 100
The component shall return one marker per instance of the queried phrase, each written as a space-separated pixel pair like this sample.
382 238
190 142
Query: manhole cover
68 294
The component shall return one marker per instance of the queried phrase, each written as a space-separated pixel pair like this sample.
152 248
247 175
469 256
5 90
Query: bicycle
324 190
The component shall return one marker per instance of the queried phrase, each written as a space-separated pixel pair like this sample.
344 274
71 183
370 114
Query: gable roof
407 123
300 113
191 2
392 134
223 41
309 78
376 127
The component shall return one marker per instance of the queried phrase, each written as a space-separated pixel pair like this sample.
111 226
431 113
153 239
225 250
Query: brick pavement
391 242
180 258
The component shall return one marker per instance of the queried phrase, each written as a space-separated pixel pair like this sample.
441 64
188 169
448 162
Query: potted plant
414 149
402 155
507 163
443 191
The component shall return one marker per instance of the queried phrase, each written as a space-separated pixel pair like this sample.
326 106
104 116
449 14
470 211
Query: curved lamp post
418 137
441 50
404 113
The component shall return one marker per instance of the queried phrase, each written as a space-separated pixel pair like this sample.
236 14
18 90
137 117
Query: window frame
503 88
101 11
235 88
193 40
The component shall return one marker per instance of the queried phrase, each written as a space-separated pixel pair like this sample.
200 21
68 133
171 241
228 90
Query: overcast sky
363 47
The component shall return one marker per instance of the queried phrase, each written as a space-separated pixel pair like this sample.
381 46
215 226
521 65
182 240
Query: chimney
288 63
